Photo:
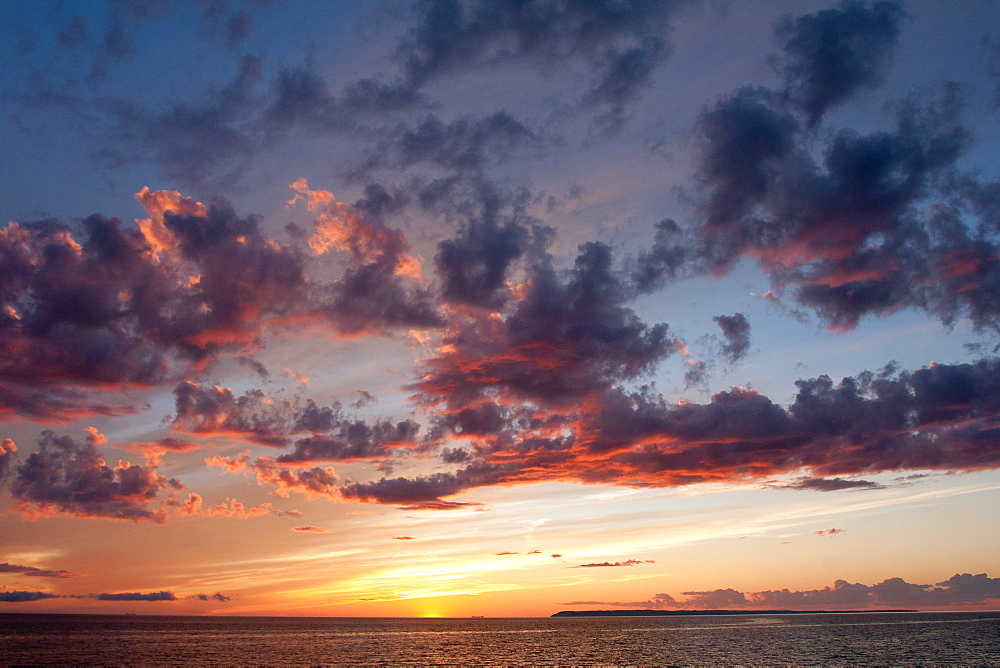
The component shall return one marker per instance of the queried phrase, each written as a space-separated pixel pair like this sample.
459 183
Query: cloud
353 440
467 144
926 419
24 596
153 451
239 277
214 410
156 596
343 227
619 44
211 138
474 264
828 56
381 287
136 596
934 418
232 464
992 50
828 532
66 477
231 27
562 339
743 138
533 363
190 142
194 505
102 305
736 331
33 571
856 236
7 450
217 596
715 599
615 564
311 529
832 484
958 590
404 491
313 483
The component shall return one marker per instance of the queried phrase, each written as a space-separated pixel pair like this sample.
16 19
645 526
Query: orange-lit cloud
341 227
157 204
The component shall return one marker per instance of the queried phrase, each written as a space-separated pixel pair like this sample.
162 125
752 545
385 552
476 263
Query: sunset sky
456 308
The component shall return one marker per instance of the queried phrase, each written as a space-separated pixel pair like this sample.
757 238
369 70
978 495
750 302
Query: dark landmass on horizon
688 613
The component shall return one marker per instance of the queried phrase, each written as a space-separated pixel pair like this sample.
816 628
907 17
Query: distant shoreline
700 613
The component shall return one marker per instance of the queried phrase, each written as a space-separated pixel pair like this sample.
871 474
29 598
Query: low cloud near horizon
958 590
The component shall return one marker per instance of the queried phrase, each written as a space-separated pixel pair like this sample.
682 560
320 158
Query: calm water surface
904 639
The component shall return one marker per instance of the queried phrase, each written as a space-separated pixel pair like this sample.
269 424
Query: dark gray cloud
466 144
24 596
108 303
885 222
256 417
210 138
203 409
67 327
69 477
193 143
73 35
828 56
300 98
34 571
665 259
932 418
935 418
380 289
833 484
217 596
568 335
696 374
374 299
7 458
744 138
222 21
136 596
404 491
717 599
619 43
474 264
28 596
736 332
100 307
353 440
117 44
992 49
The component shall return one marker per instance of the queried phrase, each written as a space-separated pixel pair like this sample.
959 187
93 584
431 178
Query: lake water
898 639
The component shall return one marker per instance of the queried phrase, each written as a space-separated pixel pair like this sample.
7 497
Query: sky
455 307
